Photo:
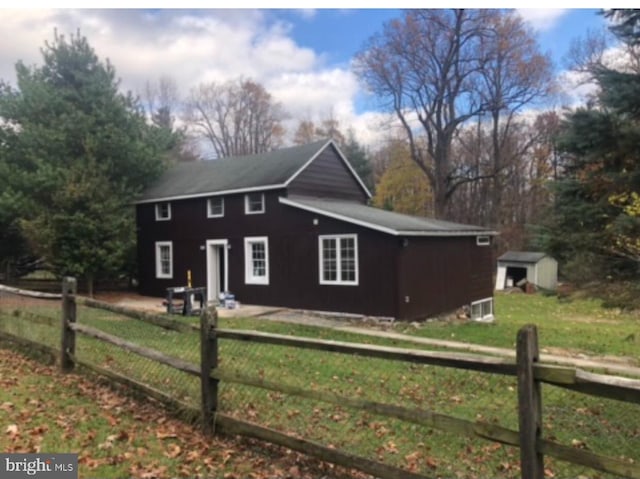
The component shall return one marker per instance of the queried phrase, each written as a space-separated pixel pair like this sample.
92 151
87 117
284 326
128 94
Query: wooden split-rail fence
528 370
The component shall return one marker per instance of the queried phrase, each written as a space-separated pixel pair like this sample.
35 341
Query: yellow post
188 278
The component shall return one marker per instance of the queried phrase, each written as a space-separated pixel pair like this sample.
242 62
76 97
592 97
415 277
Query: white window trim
249 278
246 205
159 273
486 317
483 240
338 281
211 215
161 218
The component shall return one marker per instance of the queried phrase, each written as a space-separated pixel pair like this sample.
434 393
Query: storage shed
536 268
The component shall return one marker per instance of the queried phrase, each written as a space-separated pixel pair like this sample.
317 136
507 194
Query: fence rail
214 371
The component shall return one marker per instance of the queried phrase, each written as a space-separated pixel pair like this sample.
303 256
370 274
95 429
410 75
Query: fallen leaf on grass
12 430
173 451
39 430
578 444
391 447
294 472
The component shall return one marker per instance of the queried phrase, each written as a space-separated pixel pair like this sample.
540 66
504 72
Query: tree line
469 142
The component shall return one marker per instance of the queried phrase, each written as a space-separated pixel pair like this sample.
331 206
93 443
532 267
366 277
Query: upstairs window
215 207
338 259
164 259
163 211
256 260
254 203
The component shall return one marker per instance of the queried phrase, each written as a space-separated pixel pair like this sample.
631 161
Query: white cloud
194 46
542 19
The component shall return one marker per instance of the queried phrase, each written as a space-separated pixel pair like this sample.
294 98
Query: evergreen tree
80 151
357 157
595 223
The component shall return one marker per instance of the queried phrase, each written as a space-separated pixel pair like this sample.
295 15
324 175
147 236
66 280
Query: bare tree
439 70
162 99
328 127
514 76
426 67
524 179
237 117
305 133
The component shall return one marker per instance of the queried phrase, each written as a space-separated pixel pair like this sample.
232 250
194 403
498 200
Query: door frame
213 251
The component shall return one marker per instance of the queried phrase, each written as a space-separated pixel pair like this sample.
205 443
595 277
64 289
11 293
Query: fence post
208 361
68 345
529 404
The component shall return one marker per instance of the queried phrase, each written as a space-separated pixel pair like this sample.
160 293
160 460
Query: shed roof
383 220
271 170
522 256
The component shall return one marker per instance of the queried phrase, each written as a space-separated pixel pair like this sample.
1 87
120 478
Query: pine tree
595 225
81 151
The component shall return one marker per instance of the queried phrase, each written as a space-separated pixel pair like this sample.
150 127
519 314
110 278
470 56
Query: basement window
482 310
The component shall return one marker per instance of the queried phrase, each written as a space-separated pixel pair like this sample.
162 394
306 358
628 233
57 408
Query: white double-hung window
163 211
256 260
215 207
338 259
254 203
164 259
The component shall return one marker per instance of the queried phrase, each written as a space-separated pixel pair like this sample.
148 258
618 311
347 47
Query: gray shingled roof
200 178
522 256
383 220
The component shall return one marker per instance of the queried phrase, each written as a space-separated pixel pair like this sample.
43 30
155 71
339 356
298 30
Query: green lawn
116 436
580 325
604 426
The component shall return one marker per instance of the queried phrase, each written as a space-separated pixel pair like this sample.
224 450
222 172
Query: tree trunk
90 285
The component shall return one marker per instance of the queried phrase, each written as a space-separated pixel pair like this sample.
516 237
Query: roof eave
447 233
383 229
210 193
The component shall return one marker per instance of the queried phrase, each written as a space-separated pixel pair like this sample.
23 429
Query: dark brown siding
438 275
328 176
293 255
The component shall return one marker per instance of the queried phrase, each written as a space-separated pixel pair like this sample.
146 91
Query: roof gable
271 170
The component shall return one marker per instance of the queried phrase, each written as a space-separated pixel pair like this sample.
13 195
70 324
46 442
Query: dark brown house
292 228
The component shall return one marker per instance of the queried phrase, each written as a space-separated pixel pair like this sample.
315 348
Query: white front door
217 268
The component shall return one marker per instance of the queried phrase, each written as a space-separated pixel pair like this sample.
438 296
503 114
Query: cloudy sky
302 57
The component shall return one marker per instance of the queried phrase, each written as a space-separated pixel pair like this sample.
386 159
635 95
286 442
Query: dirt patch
133 300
